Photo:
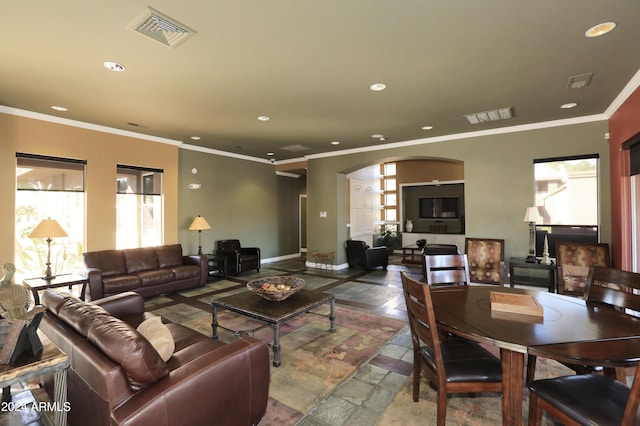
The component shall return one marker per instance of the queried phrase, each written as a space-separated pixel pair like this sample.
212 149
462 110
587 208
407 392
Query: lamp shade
199 224
48 228
531 215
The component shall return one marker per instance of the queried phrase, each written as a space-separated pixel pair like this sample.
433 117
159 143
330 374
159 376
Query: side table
524 273
217 265
413 255
63 280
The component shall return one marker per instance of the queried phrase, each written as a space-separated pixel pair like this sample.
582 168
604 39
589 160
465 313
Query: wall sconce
199 224
48 228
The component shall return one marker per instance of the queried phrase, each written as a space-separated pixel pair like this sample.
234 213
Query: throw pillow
159 336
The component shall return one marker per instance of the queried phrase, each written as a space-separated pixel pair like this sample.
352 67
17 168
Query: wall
623 124
102 151
498 176
240 199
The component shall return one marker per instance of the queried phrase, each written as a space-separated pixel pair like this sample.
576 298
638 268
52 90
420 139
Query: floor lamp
48 229
531 216
199 224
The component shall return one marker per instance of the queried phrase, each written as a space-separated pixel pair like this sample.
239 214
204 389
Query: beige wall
102 151
498 176
421 171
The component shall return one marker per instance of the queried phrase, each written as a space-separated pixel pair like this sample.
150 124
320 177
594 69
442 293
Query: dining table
569 330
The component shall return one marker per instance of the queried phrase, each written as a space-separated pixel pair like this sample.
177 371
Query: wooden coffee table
273 314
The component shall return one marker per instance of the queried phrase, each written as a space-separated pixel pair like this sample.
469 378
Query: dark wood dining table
569 331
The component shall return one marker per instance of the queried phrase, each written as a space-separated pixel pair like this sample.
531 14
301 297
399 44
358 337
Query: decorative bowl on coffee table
276 288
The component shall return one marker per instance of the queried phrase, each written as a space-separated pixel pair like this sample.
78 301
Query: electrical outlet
323 215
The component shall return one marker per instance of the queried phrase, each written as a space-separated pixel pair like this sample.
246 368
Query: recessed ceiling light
600 29
378 87
377 136
114 66
427 127
569 105
335 143
195 138
59 108
270 153
263 118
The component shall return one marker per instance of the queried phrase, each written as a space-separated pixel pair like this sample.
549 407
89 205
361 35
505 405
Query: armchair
573 261
359 254
239 259
486 260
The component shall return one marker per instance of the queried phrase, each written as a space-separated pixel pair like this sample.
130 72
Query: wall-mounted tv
438 208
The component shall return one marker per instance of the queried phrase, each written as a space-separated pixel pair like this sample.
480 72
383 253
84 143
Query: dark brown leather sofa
117 378
149 271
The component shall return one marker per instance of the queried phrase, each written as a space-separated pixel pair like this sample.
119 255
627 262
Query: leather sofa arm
377 256
229 385
250 250
122 305
200 260
95 289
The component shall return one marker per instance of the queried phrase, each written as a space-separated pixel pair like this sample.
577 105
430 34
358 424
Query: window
138 207
566 190
389 197
49 187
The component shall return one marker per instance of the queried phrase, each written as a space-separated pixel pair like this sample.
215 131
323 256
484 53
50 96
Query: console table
524 273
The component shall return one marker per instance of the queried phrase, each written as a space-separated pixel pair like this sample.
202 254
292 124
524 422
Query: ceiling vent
161 28
579 81
295 148
487 116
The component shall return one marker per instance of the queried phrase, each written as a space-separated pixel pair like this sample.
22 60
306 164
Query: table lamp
531 216
48 229
199 224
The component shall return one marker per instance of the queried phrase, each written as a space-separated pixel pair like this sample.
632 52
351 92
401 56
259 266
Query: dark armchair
359 254
239 259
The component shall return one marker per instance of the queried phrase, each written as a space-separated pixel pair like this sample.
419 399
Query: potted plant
390 238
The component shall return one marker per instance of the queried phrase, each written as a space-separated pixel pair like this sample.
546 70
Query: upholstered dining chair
486 260
573 261
452 365
586 399
446 269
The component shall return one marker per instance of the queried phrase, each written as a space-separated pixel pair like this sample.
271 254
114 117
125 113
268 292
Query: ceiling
308 66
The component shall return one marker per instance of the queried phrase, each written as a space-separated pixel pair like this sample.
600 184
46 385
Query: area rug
482 410
314 361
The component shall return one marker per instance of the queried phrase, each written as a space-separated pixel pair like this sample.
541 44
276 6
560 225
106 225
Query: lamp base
531 259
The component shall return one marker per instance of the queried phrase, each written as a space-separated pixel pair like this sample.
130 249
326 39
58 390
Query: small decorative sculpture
14 298
545 252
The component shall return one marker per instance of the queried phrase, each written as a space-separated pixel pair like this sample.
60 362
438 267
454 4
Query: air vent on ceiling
161 28
295 148
487 116
579 81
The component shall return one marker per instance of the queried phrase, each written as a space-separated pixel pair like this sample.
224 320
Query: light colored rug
314 361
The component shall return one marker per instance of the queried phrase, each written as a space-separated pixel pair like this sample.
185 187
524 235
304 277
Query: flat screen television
438 208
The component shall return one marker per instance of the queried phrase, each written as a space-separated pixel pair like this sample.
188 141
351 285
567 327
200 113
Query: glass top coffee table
271 313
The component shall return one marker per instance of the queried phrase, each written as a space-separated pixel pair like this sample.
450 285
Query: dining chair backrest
422 317
573 261
614 288
446 269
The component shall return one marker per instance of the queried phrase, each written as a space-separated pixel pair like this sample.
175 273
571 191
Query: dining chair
486 260
573 261
446 269
611 289
585 399
451 364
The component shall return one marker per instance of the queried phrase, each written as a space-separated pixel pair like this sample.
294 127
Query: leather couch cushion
79 315
53 300
128 348
155 277
120 284
184 272
109 262
159 336
168 256
140 259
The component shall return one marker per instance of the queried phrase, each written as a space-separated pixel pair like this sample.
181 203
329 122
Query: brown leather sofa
117 378
149 271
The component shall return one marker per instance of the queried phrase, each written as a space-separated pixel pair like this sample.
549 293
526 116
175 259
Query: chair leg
531 367
442 407
535 411
617 373
416 379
